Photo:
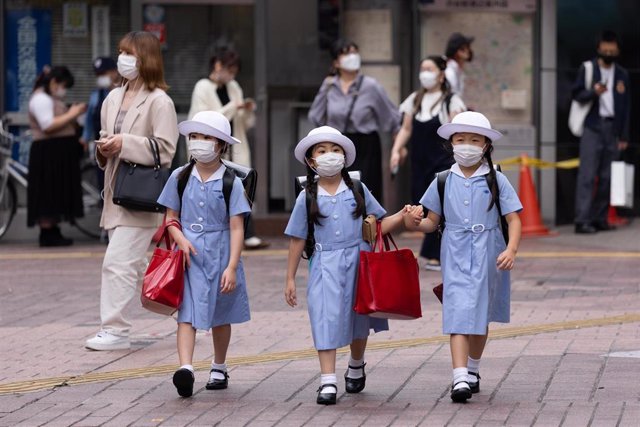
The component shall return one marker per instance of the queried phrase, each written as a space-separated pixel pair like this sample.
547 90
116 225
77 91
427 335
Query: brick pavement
50 306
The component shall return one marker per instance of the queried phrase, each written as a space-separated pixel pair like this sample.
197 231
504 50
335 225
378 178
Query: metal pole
261 146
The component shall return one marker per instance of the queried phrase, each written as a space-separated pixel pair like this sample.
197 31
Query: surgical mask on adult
329 164
60 93
202 150
350 62
428 79
467 155
104 82
608 59
127 66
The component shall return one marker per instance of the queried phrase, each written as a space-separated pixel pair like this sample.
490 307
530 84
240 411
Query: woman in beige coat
221 92
137 110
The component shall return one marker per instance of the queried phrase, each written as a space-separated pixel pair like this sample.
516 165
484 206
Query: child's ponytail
185 173
360 204
312 189
492 176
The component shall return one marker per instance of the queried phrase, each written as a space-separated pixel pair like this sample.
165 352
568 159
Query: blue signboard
27 50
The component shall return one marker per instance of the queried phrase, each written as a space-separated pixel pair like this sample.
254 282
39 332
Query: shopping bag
163 281
622 175
578 111
388 284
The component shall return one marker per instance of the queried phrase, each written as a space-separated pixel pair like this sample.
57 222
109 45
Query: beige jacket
150 114
205 98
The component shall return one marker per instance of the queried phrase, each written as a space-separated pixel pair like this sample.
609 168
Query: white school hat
326 134
470 122
209 123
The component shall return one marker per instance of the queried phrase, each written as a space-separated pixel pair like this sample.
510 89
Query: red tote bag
388 283
163 281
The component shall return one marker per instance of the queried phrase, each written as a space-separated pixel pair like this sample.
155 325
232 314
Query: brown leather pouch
369 229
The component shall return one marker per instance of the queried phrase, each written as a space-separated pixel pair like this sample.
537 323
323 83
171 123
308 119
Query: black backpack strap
442 181
227 185
503 221
447 103
357 185
182 184
310 244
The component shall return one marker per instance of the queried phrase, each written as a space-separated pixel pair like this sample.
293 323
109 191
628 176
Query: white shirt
428 108
214 176
482 170
342 187
455 77
606 99
41 106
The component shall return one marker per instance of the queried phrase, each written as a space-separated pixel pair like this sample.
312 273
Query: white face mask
428 79
60 93
127 66
203 151
104 82
329 164
350 62
467 155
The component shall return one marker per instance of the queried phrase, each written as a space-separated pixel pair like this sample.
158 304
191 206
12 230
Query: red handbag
388 282
163 282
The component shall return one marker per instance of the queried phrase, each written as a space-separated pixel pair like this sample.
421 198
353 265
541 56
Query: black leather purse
138 186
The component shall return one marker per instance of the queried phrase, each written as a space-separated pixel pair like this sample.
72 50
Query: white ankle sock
189 367
355 373
218 375
329 379
460 374
473 365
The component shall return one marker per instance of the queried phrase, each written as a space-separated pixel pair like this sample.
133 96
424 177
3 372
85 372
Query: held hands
228 281
412 216
290 293
506 259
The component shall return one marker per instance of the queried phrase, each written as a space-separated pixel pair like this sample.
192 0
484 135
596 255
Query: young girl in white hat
475 259
215 294
337 210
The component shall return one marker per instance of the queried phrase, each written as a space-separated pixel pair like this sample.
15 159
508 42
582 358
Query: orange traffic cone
530 216
614 219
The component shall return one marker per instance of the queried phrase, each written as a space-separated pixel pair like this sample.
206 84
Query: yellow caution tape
511 162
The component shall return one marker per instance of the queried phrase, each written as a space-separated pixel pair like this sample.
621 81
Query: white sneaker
107 341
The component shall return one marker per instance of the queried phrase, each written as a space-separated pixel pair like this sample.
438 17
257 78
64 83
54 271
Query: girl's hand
413 217
187 248
506 259
228 282
290 293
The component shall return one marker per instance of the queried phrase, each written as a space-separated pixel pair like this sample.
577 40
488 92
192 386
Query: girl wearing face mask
358 106
215 294
475 259
130 114
54 193
423 112
336 209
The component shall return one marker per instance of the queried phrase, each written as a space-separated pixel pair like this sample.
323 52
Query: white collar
342 187
216 175
482 170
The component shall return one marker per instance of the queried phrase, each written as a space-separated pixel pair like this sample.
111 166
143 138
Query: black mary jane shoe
461 394
215 384
183 379
355 385
327 398
475 386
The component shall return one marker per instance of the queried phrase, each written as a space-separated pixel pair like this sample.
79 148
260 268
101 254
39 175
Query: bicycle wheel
8 202
89 224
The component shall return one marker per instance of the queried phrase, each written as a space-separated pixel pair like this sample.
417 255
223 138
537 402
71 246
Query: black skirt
54 191
368 161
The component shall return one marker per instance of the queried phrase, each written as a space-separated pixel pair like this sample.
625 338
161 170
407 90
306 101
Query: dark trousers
598 148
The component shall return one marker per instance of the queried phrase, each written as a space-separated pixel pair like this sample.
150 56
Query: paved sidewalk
569 356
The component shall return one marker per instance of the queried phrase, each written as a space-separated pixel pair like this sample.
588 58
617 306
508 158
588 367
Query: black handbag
138 186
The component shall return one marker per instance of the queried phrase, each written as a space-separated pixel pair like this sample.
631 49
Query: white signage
74 20
100 41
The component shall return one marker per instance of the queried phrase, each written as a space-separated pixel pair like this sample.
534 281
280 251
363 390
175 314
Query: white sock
355 373
460 374
189 367
329 379
473 365
218 375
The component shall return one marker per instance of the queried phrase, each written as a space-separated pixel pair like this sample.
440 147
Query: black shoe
51 237
215 384
327 398
461 394
183 379
475 386
355 385
585 229
603 226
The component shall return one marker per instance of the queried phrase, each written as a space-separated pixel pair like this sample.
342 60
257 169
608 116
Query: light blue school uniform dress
333 268
475 291
205 223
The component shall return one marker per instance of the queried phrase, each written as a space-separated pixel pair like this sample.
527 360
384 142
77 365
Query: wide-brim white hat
209 123
469 122
326 134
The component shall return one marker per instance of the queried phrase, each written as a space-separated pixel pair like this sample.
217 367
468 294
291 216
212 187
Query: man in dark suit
606 131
